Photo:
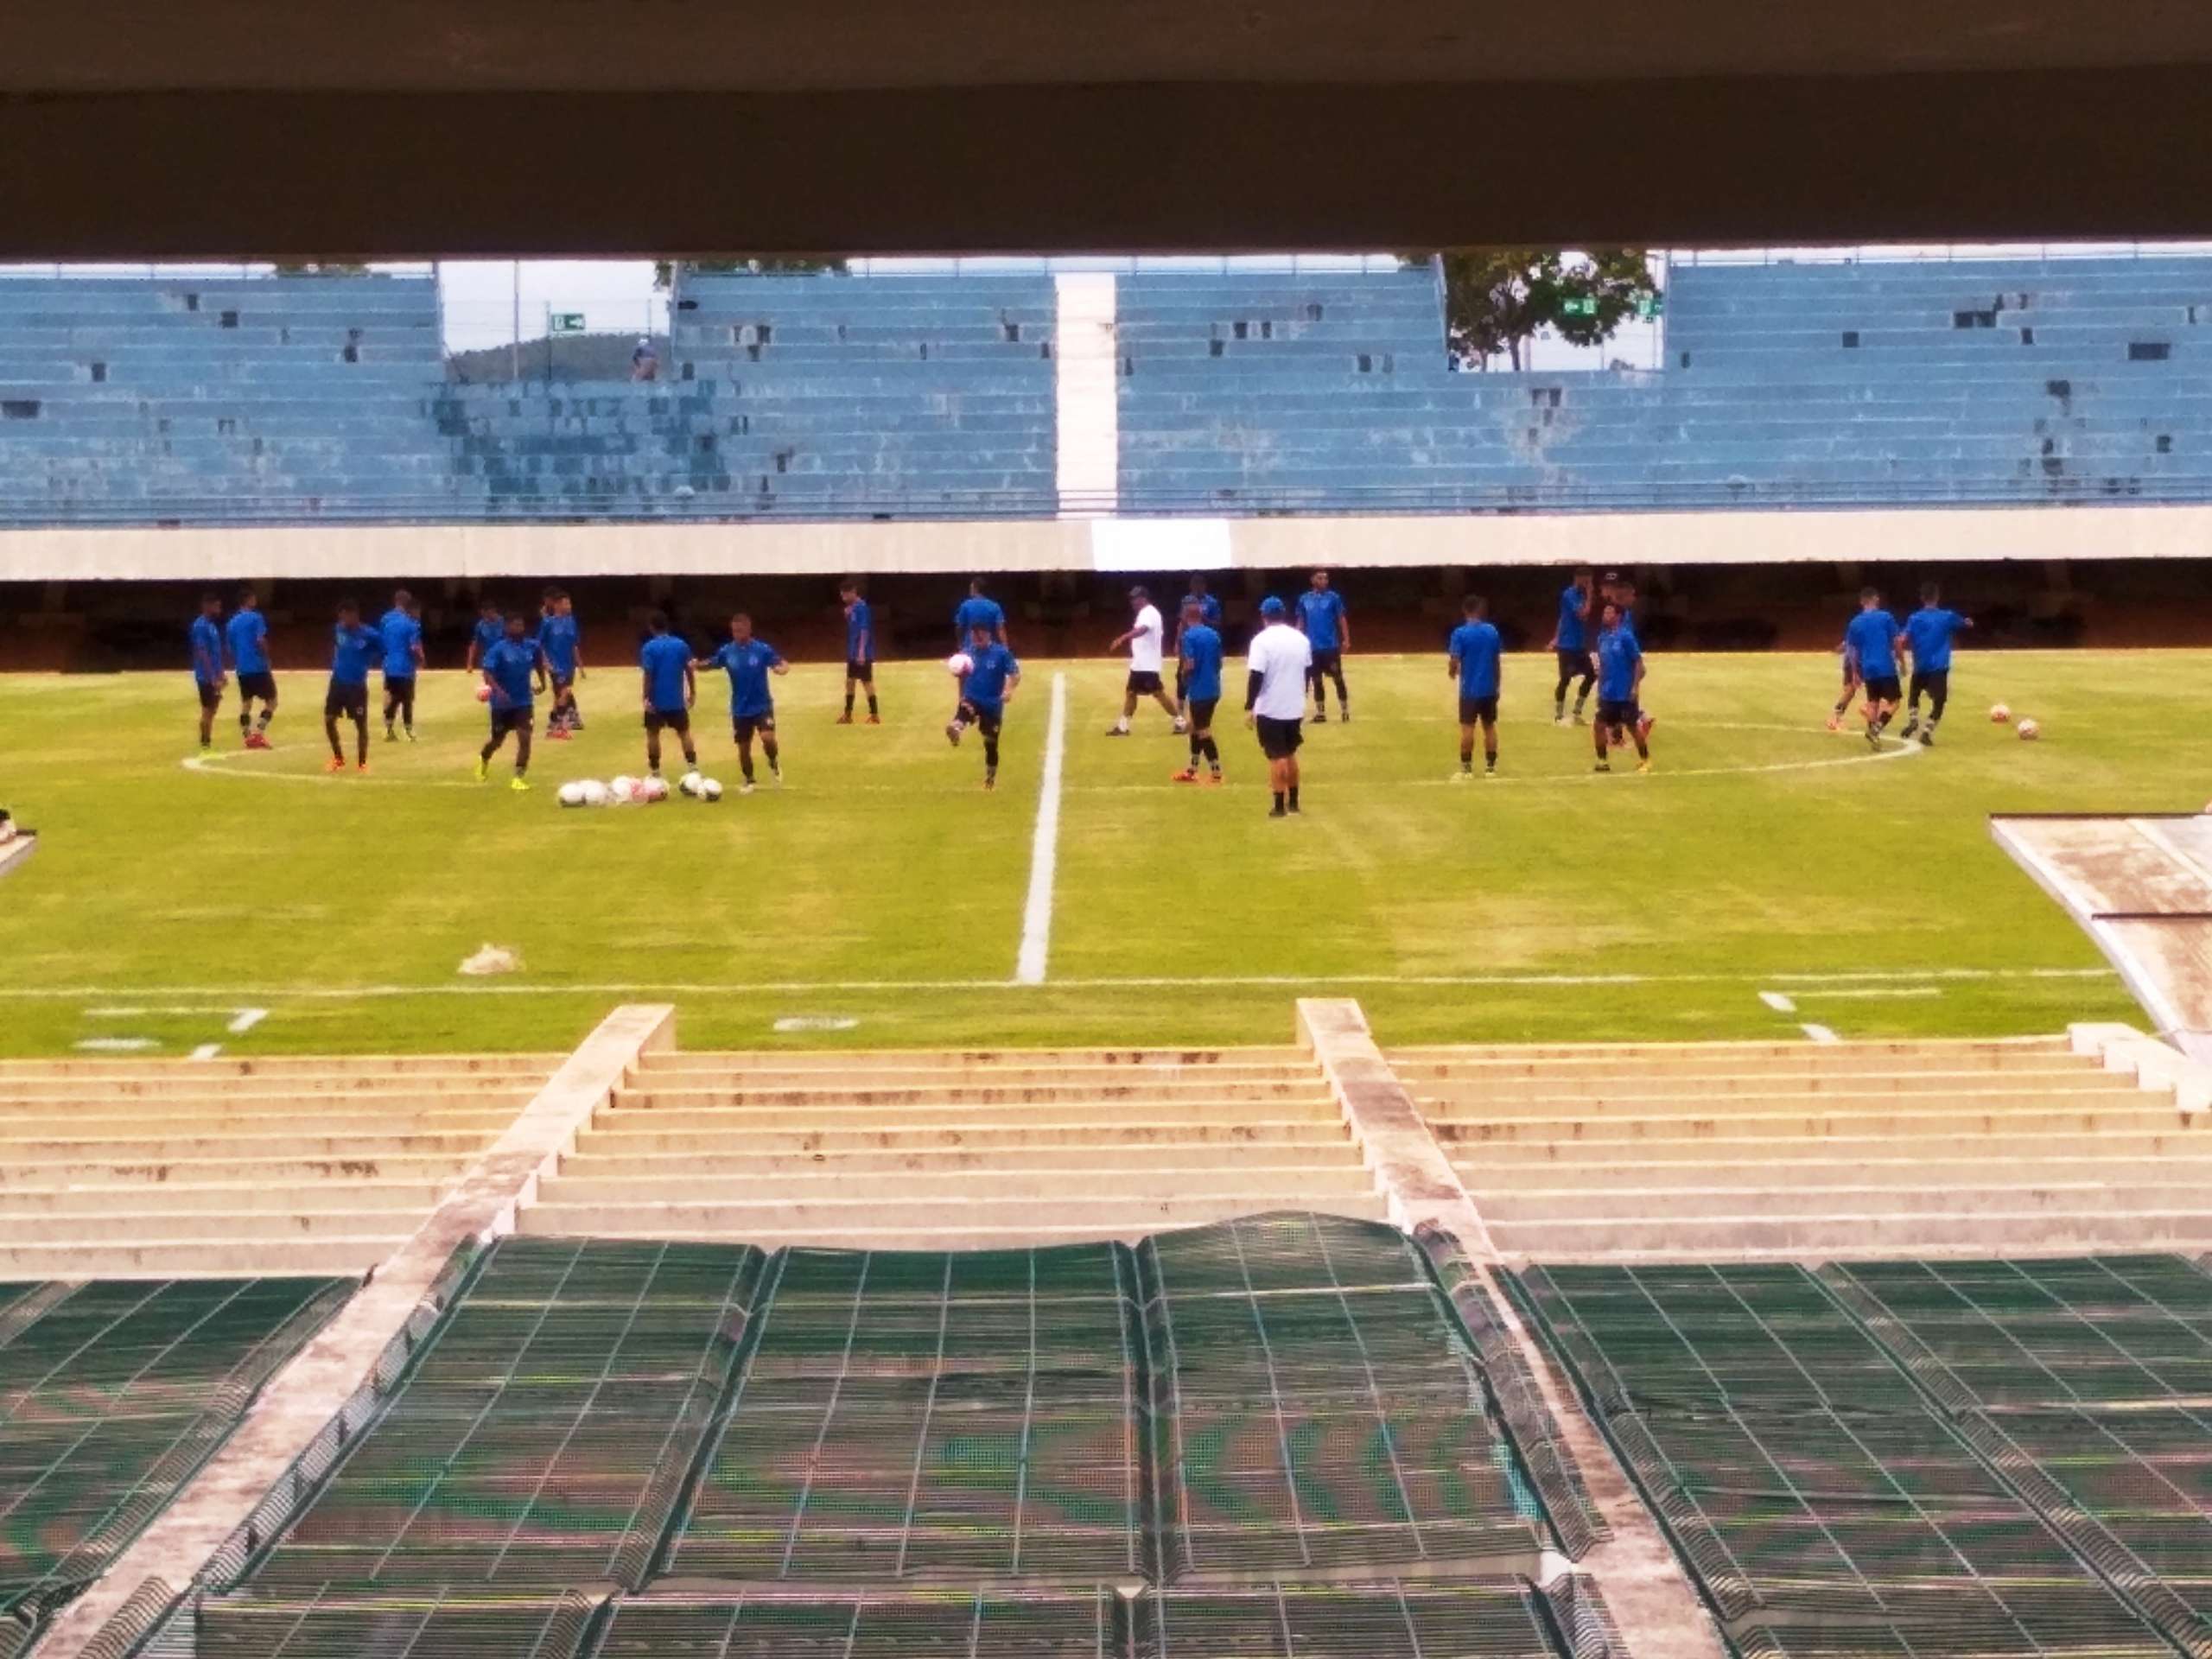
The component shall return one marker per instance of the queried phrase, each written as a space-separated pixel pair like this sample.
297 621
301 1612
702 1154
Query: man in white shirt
1145 638
1274 699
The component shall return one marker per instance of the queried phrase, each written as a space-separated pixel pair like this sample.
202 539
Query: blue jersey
1929 631
356 649
976 611
1322 614
487 632
248 634
512 667
1872 639
665 658
557 638
400 633
985 685
747 666
1617 655
206 650
1201 647
1209 610
1476 647
859 632
1573 634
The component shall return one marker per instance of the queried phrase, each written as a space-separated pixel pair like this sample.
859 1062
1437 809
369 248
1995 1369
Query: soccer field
880 898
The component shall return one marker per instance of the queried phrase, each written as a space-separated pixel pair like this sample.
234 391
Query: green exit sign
568 322
1583 305
1651 306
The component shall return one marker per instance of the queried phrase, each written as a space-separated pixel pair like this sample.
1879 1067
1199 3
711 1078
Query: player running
356 650
977 610
1873 638
860 649
1571 645
207 676
562 641
1851 684
491 628
1929 632
1208 614
752 708
511 666
402 634
985 689
1473 657
247 635
1198 678
670 688
1145 637
1620 684
1276 670
1321 619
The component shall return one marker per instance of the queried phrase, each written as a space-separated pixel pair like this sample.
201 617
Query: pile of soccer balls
2028 729
636 792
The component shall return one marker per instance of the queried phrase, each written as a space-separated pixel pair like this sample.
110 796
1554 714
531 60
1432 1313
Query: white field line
1777 1002
205 1051
1045 846
1820 1034
246 1021
1871 991
118 1045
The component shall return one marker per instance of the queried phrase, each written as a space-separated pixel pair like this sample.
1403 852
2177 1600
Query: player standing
402 634
860 649
207 636
1208 614
1198 677
490 629
1873 638
670 688
752 708
1571 645
356 649
1620 684
1929 632
247 635
1277 668
977 610
985 689
511 665
1328 633
1145 637
1473 657
562 641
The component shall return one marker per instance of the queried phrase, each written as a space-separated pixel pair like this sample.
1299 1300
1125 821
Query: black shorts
1202 712
517 719
261 685
1619 711
669 719
1884 688
1935 682
1143 682
742 726
1474 709
563 681
857 670
211 697
985 718
1573 663
1331 663
350 701
401 686
1279 738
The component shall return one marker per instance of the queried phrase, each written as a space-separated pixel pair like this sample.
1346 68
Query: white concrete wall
1087 393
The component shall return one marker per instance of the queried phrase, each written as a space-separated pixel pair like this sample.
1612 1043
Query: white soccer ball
653 790
710 790
572 794
1999 713
2029 731
622 791
958 663
690 782
595 794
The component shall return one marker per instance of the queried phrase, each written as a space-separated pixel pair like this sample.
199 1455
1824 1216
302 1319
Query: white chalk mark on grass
1777 1002
816 1022
118 1045
1045 846
1870 991
1820 1034
205 1051
246 1021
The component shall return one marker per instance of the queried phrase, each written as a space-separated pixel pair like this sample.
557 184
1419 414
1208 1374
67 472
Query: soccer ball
958 663
2029 731
690 782
651 790
710 790
572 794
1999 713
483 694
595 792
622 791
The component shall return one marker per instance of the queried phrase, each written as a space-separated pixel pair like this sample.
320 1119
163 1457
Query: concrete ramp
2140 885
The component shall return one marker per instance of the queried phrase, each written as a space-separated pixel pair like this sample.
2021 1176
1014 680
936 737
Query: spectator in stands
1328 632
645 361
207 665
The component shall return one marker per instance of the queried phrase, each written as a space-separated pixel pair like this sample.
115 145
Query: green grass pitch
879 897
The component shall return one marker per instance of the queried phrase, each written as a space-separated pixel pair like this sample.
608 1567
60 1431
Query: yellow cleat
520 785
483 769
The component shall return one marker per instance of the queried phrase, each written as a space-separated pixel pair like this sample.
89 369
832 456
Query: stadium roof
232 127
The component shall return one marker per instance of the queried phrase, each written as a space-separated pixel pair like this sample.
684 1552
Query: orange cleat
1188 775
333 765
1211 780
362 768
845 719
874 720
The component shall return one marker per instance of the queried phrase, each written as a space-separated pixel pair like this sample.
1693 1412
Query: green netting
2096 1637
545 1430
1426 1619
435 1622
896 1625
112 1394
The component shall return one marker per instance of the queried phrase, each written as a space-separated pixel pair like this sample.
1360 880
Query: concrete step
867 1077
346 1120
616 1134
1965 1102
158 1258
1072 1161
993 1115
222 1198
2011 1123
42 1173
736 1062
1197 1096
1827 1236
361 1092
1039 1218
271 1222
2175 1195
303 1066
1813 1173
1647 1059
1669 1143
1464 1096
839 1181
242 1144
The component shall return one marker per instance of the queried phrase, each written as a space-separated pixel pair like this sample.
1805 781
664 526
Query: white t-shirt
1282 657
1144 648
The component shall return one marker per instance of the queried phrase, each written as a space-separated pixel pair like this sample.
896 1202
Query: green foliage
1495 299
665 269
318 268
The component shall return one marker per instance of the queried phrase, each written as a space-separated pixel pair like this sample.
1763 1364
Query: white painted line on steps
246 1021
205 1051
1777 1002
1820 1034
1045 846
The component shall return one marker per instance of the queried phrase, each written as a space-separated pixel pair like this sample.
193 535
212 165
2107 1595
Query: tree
665 269
1495 299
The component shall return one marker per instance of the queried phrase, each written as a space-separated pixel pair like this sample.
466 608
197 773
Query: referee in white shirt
1145 638
1274 699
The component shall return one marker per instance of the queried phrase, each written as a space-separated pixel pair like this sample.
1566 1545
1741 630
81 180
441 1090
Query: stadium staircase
177 1168
1702 1150
939 1151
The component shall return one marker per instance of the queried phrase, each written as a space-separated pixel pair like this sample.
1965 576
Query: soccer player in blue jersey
246 634
1929 632
1620 684
402 634
1198 678
748 663
978 609
1571 647
561 640
207 676
1873 638
1321 619
985 689
1473 657
490 629
513 666
671 687
1851 685
860 649
356 650
1208 614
